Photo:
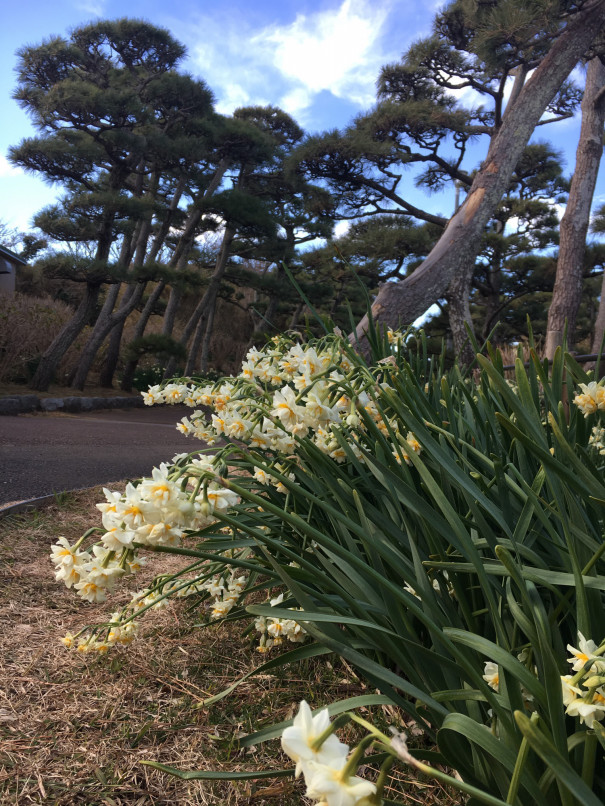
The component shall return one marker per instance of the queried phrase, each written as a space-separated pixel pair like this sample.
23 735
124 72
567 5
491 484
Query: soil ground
74 729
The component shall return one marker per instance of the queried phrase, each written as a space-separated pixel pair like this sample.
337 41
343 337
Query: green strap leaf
304 616
212 775
560 766
460 725
295 655
335 708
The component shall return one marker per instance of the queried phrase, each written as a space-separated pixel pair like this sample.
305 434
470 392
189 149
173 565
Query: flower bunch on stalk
583 692
592 397
285 392
324 760
329 768
288 391
274 630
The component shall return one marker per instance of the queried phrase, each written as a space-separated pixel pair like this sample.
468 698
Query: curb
25 404
35 503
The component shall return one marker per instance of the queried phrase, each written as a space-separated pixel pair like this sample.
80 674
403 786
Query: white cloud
6 169
94 7
338 50
335 50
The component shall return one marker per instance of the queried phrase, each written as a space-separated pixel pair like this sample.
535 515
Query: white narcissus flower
68 562
153 395
159 488
91 591
584 653
221 498
569 691
286 408
491 675
592 399
115 539
175 393
297 740
587 711
334 786
62 554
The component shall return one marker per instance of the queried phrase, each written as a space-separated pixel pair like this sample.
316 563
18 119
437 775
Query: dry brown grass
75 729
27 327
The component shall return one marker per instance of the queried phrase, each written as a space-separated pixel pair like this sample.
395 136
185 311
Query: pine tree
106 103
418 124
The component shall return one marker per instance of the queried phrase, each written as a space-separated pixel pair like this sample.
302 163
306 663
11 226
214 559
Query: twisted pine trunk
399 304
567 292
45 371
204 312
139 331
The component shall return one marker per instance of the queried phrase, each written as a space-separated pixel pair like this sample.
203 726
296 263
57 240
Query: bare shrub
27 327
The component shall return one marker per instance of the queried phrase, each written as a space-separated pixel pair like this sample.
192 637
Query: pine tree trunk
139 332
205 359
399 304
599 327
102 329
113 350
130 245
459 314
202 312
115 341
45 371
174 300
199 318
111 359
180 257
296 316
567 292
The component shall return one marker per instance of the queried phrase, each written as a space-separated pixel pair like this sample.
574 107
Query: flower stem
339 722
588 762
519 764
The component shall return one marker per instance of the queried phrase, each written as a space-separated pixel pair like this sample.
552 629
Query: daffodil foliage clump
442 533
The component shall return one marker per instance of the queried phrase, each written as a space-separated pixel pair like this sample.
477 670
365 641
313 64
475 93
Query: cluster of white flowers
322 759
160 508
597 439
119 632
91 573
274 630
226 593
154 513
283 392
583 692
592 398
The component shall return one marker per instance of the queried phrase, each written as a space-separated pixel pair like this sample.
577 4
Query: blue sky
317 59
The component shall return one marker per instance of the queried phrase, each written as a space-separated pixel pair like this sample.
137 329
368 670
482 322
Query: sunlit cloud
337 50
94 7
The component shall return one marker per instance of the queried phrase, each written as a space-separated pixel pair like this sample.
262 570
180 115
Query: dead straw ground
74 729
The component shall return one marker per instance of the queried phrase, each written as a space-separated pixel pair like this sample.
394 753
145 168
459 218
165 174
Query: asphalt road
41 454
